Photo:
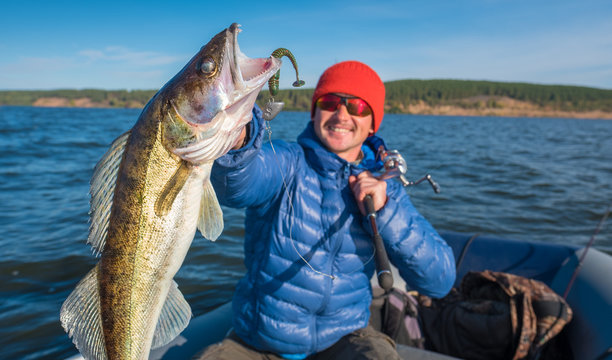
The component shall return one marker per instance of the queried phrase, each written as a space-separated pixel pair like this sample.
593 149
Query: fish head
207 104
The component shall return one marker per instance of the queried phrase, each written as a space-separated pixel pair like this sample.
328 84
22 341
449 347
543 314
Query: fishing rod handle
368 203
383 269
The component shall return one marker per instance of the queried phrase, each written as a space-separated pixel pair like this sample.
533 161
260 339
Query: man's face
340 132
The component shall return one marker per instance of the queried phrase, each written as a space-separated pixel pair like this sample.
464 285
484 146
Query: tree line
400 94
106 98
557 97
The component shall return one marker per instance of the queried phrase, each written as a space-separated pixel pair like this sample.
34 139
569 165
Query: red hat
356 79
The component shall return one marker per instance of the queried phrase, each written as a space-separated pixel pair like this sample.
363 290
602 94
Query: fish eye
207 66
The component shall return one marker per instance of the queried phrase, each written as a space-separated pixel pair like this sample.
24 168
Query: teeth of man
338 129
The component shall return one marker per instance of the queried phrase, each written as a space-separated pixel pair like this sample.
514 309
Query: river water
535 179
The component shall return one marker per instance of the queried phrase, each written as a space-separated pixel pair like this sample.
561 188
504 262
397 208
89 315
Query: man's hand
366 184
240 141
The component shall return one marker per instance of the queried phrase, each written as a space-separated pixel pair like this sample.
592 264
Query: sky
141 44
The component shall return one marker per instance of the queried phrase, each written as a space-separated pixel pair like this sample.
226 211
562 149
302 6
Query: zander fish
150 192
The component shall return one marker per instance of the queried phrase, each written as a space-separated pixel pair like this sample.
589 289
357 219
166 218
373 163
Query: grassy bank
437 97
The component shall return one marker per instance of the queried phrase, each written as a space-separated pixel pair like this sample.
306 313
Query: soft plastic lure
273 82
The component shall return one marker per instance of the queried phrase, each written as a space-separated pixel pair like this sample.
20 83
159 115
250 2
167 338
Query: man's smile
339 128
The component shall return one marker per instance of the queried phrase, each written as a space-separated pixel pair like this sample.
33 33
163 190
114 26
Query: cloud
122 54
574 56
111 67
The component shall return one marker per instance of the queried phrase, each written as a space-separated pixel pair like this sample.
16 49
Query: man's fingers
366 184
364 174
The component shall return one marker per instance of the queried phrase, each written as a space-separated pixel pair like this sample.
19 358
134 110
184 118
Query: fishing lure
272 107
273 82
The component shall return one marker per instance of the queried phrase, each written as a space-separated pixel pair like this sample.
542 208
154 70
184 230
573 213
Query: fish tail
80 316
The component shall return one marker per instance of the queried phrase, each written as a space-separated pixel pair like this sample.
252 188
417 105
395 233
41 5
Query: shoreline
409 96
503 108
512 112
494 106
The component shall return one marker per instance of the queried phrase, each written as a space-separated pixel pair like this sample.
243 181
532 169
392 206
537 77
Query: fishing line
586 249
268 129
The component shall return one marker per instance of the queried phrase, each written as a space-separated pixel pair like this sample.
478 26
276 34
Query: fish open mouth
231 92
248 74
216 116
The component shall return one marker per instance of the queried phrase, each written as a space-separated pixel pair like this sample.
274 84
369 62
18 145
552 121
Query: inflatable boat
589 334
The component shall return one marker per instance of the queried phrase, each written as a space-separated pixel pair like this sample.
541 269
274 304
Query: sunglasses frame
344 100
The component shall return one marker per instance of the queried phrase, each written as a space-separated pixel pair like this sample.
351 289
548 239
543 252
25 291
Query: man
308 247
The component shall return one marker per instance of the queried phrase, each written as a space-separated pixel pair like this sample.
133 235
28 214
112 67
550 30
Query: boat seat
533 260
590 298
412 353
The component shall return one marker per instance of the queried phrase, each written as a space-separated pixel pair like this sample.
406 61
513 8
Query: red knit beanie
356 79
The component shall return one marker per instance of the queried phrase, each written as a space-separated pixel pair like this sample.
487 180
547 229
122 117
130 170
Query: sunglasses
354 105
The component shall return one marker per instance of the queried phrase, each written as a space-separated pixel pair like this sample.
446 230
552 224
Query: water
533 179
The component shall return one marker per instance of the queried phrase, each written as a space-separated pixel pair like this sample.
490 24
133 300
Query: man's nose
342 112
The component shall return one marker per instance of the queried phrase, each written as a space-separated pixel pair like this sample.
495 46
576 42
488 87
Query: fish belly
143 252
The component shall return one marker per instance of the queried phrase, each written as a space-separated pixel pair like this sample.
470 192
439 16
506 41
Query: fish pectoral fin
164 202
173 319
80 316
102 191
210 222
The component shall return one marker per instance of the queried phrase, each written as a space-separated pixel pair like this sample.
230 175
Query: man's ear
313 113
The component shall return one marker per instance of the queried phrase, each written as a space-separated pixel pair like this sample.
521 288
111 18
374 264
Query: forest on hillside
469 94
401 94
102 98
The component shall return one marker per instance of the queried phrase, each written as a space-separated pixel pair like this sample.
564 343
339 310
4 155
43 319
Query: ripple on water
533 179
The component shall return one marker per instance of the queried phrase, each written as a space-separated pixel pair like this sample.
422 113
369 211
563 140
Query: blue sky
141 45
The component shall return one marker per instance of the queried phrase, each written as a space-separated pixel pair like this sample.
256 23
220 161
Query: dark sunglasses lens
358 107
328 102
354 106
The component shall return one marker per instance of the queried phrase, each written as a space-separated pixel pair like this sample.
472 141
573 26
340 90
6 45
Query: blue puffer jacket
308 249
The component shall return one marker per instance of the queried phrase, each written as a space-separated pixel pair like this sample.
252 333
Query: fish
150 192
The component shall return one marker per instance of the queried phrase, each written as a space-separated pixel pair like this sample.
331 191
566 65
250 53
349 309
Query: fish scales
150 192
141 244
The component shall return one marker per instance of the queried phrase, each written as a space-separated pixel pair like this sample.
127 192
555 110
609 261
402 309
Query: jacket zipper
330 264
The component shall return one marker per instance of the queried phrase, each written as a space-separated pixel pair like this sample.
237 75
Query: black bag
396 314
494 315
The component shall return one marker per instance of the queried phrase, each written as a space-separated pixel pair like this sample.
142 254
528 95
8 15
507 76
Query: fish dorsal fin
164 202
81 319
210 222
173 319
102 190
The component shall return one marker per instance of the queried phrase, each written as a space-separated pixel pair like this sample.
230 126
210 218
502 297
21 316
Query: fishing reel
395 167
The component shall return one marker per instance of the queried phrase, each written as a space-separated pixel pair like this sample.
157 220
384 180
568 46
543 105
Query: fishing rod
586 249
395 167
383 269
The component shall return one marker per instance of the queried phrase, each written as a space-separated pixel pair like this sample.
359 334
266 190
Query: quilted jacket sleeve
423 258
252 176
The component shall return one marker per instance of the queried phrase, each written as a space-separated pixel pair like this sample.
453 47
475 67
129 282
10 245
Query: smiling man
308 249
